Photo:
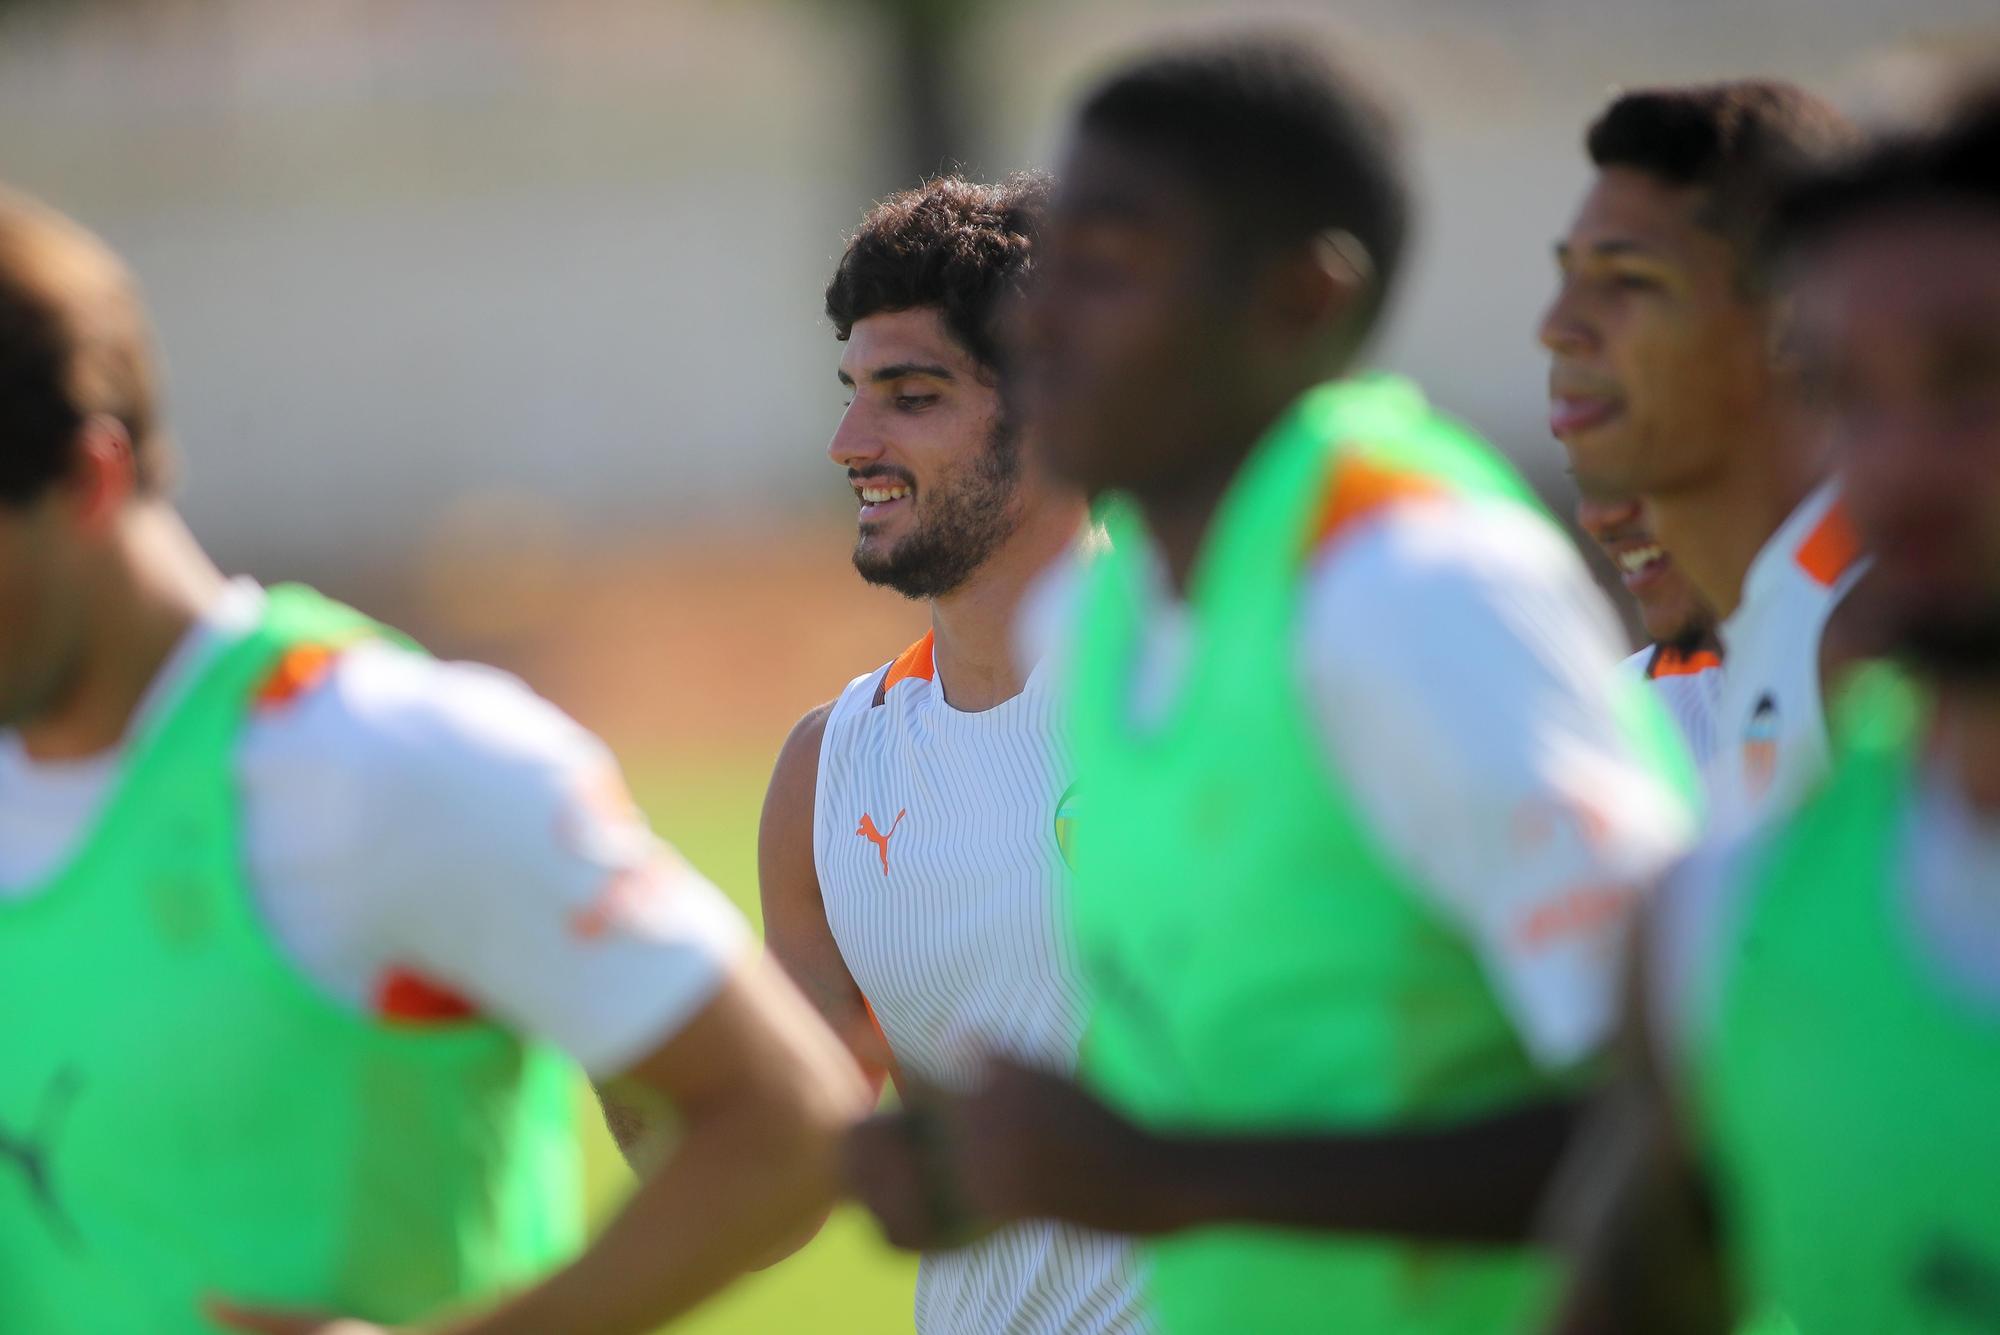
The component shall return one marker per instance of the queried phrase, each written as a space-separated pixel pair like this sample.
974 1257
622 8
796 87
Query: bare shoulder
796 774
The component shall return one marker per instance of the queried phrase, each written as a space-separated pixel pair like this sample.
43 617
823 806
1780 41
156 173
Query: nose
855 441
1601 518
1563 330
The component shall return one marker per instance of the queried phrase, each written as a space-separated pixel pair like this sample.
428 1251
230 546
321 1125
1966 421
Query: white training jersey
936 838
427 843
1689 684
1461 665
1771 740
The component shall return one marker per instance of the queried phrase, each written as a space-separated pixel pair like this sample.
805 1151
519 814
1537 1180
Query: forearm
731 1194
1475 1183
1638 1230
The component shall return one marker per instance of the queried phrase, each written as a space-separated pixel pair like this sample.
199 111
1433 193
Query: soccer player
1663 386
1360 815
303 934
1684 660
911 848
1825 994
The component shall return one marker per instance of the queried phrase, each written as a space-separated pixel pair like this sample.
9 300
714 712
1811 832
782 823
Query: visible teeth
1639 558
877 495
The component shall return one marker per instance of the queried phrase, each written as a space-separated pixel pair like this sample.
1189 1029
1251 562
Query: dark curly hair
950 243
1743 143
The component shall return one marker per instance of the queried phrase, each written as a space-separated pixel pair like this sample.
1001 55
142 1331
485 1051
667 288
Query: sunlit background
503 318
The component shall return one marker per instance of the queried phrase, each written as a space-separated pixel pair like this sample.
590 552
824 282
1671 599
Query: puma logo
876 837
29 1152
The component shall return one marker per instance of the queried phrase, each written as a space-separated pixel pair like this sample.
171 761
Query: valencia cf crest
1066 824
1760 745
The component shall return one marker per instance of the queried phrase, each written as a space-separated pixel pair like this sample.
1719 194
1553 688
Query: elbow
796 1243
785 1142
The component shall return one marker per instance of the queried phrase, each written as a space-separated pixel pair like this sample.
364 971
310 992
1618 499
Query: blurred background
502 317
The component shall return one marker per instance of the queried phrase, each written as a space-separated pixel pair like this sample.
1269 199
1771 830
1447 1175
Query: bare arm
795 924
764 1093
1032 1144
1632 1208
796 932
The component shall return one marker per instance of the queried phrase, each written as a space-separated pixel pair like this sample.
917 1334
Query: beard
960 522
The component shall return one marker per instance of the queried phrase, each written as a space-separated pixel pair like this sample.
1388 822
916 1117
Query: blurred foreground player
1364 801
297 925
911 851
1664 387
1824 997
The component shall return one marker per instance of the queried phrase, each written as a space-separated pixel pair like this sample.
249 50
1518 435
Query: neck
157 584
1179 518
1715 529
1180 524
1967 742
973 626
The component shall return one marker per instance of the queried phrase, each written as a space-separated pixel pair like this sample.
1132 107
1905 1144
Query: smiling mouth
879 499
1639 567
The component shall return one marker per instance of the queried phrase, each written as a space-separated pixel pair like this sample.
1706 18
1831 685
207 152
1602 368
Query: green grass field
847 1282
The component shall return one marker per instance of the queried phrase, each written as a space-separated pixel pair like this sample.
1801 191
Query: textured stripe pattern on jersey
936 843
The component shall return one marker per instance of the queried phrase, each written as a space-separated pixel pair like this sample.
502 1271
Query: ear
104 471
1318 286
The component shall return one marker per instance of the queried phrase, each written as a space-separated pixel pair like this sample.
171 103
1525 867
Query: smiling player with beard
910 854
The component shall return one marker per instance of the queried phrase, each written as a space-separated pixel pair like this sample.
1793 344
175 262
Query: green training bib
182 1114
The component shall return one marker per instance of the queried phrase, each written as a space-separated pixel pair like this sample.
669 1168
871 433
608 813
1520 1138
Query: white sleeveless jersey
1690 685
1771 740
936 837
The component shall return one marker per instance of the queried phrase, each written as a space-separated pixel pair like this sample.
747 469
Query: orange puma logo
876 837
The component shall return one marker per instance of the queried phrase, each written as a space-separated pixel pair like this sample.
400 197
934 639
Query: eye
910 403
1635 282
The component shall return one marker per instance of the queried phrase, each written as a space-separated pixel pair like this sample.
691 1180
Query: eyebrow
898 371
1607 249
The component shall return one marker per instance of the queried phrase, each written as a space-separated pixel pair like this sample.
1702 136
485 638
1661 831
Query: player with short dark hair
303 935
1359 817
912 844
1823 996
1664 387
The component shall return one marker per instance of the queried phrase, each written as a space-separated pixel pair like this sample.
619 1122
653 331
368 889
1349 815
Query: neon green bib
1848 1093
181 1114
1258 961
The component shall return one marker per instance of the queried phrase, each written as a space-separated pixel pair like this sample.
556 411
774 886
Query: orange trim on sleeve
1830 548
915 661
1360 488
301 668
1670 662
406 997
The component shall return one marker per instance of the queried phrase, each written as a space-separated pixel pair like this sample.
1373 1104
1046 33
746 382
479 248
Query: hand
892 1166
1027 1144
271 1321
